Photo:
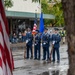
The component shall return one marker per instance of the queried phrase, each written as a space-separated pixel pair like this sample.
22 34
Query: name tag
53 42
35 44
44 43
27 41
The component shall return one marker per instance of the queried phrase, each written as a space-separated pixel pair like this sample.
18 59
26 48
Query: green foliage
8 3
57 11
45 10
44 6
51 0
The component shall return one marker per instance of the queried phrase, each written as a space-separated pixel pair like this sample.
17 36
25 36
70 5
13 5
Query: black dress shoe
27 58
58 61
47 60
53 61
43 59
38 59
35 58
31 57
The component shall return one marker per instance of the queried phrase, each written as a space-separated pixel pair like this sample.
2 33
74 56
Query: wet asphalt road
36 67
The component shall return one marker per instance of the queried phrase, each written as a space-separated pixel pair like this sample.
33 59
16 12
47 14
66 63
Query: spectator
20 37
15 40
24 36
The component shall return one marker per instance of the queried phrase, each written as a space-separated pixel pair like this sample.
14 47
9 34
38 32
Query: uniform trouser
58 54
37 51
45 52
29 49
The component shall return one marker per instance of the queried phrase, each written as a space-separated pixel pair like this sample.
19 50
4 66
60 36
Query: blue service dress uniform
56 39
29 40
45 44
37 44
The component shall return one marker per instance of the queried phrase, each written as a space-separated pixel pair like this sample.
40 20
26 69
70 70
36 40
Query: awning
17 14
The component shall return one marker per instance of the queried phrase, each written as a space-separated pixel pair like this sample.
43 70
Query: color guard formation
43 41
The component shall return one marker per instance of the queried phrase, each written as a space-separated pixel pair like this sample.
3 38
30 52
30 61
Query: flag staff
35 24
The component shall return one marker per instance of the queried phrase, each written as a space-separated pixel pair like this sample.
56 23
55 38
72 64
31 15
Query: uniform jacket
29 38
45 40
57 39
37 39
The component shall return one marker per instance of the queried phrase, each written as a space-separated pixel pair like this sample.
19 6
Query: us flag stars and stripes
6 61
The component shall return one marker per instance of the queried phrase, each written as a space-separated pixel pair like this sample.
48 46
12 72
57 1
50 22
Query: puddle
21 68
45 73
54 72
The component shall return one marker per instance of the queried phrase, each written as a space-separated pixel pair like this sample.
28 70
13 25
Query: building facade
22 15
25 6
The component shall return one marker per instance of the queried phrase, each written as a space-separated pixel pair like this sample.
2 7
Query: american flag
35 25
34 29
6 62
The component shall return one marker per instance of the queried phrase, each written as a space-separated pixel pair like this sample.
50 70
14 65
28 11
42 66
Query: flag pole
36 17
35 24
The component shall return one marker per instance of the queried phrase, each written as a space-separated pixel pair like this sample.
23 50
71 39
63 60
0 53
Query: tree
44 6
59 20
69 17
57 11
8 3
45 10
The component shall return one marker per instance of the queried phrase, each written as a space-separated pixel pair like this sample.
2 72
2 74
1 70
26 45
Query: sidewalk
35 67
